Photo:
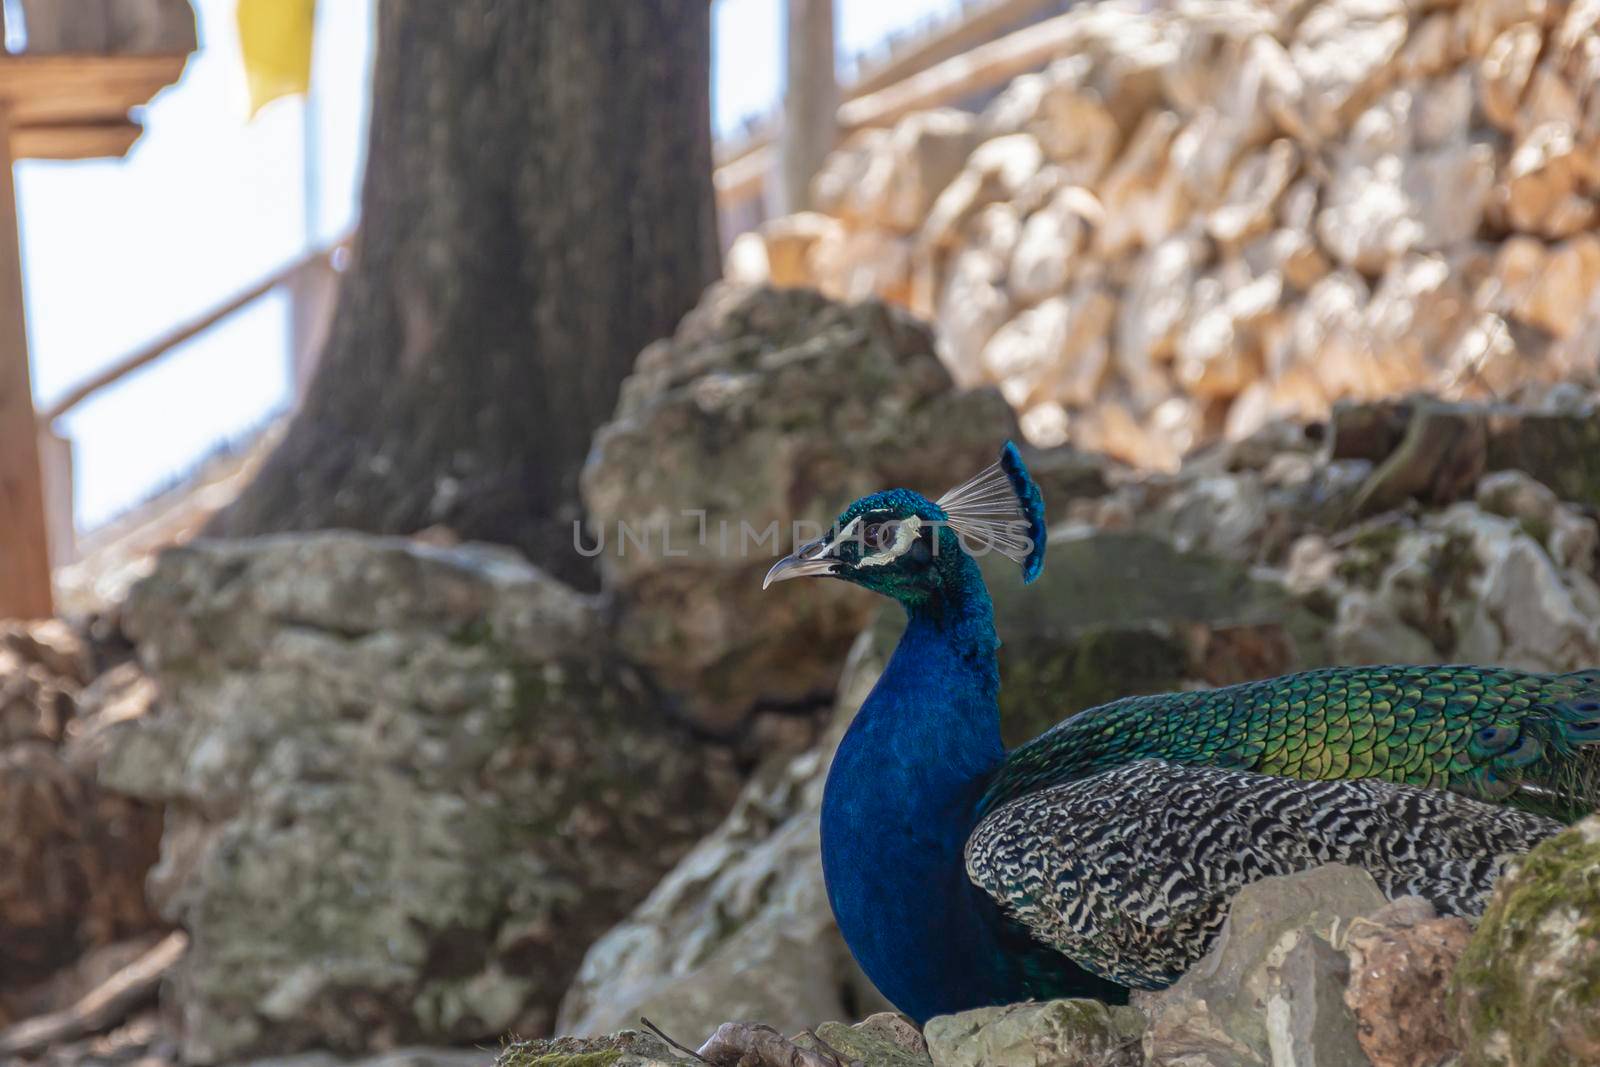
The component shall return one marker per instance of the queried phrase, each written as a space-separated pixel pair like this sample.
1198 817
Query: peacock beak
807 561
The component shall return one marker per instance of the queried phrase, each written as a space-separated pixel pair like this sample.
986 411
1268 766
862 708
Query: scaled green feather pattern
1513 736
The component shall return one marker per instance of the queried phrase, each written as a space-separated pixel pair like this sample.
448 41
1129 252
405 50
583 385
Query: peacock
1101 856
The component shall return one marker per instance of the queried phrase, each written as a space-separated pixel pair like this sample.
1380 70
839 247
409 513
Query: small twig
102 1007
654 1029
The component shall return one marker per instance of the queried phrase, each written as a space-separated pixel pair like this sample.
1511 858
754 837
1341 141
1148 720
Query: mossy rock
1107 619
1084 1033
1527 990
884 1040
630 1048
1560 450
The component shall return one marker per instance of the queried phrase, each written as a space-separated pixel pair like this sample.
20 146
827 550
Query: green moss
1045 681
1537 528
1537 945
1370 552
521 1055
1453 563
629 1045
473 633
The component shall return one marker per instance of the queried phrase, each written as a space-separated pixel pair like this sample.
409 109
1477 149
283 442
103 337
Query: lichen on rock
1069 1033
405 787
1527 990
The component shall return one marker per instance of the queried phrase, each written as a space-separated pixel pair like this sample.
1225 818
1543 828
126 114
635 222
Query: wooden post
810 102
24 540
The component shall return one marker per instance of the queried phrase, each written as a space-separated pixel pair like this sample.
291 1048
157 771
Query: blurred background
352 339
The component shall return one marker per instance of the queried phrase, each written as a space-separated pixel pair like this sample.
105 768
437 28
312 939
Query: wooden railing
316 264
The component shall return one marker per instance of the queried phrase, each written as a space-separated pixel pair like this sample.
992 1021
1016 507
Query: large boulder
767 409
405 788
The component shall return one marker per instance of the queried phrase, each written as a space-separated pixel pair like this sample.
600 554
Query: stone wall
1205 216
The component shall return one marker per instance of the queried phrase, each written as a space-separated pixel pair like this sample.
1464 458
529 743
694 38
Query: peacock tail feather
1531 741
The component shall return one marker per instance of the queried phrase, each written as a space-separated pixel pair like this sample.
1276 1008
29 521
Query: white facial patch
905 535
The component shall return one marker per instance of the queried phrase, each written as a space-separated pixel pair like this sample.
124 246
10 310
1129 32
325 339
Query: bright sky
118 252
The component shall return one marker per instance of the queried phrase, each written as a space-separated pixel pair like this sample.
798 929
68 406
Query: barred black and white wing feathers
1129 872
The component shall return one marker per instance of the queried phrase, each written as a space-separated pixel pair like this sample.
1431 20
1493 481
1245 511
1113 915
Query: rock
1153 309
1559 449
882 1040
1055 351
1503 75
73 856
1547 288
1049 241
1120 613
1143 193
1401 958
972 306
1443 454
906 172
401 1057
401 789
1539 191
1524 992
996 170
741 928
1267 992
629 1048
1343 52
739 437
857 265
1252 198
1307 1020
791 243
1057 1033
1368 630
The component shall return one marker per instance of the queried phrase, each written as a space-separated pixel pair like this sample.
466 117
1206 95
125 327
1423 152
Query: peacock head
903 545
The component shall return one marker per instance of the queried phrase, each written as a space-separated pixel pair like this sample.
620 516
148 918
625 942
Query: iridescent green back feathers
1528 740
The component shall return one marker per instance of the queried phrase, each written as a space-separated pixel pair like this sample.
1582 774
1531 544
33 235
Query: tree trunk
537 207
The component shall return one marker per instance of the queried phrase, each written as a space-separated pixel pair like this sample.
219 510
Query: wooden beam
958 35
746 175
78 141
49 90
984 67
24 539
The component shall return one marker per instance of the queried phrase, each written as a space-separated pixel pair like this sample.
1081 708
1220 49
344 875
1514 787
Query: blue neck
900 802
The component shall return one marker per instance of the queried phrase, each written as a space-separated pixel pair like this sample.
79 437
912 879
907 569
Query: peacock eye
880 535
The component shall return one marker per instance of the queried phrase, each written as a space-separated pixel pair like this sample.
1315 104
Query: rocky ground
1293 301
1206 216
408 796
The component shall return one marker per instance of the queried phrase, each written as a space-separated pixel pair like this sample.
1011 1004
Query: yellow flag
275 38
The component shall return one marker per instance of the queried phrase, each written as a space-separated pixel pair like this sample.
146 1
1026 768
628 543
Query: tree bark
537 207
